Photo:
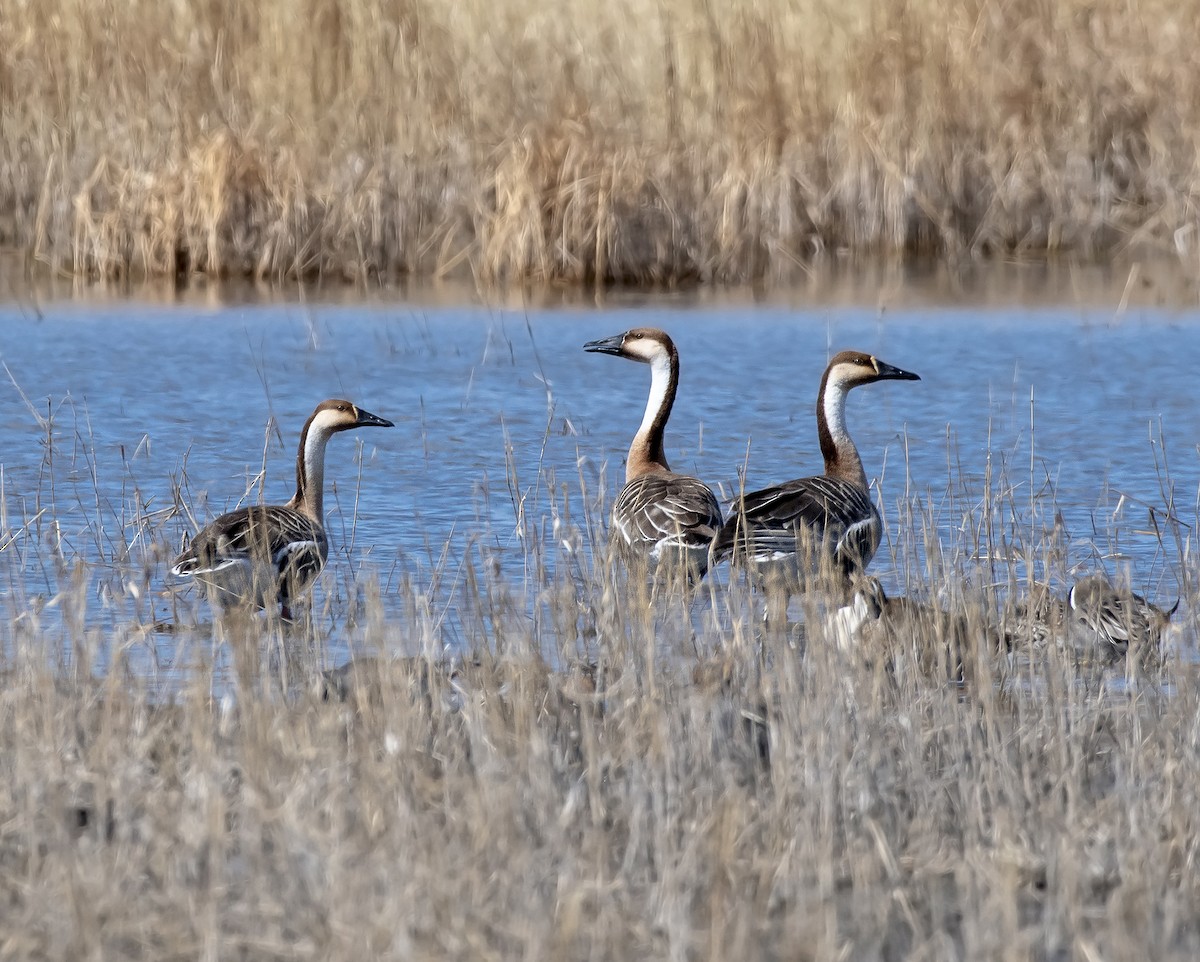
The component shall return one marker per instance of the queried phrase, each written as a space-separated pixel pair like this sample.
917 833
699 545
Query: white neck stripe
660 381
835 409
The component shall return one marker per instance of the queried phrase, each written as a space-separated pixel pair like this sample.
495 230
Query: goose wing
766 524
281 537
1114 620
1123 619
672 509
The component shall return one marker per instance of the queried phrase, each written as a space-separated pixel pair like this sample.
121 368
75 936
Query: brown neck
840 454
646 453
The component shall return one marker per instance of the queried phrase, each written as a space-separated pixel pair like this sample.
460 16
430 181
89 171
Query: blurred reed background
624 142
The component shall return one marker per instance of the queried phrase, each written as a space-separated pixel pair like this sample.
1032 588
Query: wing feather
769 524
663 508
1122 620
1114 623
261 537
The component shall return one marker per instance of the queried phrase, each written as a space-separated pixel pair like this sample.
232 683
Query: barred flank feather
667 509
836 515
664 513
1115 622
262 551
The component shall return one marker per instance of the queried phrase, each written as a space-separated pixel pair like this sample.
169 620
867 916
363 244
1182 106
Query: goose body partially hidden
661 517
1107 623
1034 620
937 644
822 525
270 554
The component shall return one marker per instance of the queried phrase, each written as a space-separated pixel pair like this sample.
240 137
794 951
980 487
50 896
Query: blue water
112 416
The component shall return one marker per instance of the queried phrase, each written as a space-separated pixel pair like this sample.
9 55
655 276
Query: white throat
660 381
314 469
835 410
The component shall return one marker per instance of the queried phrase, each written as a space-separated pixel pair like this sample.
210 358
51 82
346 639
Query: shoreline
882 284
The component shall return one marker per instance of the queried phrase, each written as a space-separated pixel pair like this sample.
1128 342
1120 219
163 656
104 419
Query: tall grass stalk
627 142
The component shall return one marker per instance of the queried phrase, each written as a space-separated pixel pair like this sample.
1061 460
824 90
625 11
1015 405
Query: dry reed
628 142
706 791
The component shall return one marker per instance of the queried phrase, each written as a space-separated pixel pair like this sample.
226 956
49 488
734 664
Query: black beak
889 373
608 345
368 420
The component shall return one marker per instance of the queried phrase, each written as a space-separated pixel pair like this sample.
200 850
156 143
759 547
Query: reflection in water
124 427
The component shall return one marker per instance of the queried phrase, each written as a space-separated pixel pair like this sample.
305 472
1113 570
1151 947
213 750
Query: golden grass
627 142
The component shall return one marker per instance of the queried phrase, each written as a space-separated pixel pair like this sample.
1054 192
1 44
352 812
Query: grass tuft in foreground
601 772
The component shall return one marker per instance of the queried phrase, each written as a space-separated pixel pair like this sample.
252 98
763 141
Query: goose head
337 414
851 368
645 344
